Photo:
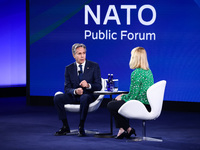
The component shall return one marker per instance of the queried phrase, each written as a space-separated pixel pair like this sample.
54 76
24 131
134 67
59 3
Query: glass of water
116 84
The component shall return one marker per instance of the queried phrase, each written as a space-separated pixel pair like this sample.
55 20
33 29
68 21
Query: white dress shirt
78 68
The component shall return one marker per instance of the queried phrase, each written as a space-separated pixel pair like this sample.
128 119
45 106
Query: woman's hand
118 98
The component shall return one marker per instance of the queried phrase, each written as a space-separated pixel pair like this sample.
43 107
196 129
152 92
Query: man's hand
79 91
84 84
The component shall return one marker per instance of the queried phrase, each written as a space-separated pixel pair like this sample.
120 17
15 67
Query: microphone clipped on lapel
88 68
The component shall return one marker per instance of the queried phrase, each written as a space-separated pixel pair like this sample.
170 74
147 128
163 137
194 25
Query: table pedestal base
104 135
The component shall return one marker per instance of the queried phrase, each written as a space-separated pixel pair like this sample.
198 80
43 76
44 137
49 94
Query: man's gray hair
77 45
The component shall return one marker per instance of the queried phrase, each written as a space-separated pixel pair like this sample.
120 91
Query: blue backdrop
169 30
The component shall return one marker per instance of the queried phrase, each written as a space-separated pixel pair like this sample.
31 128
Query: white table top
110 93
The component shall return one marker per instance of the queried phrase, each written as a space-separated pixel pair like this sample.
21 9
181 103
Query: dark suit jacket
91 74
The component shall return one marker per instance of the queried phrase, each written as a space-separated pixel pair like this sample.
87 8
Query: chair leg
144 129
144 137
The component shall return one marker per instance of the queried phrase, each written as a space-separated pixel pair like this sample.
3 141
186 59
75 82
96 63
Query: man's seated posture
82 78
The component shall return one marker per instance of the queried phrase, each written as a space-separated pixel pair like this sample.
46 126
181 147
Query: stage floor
32 128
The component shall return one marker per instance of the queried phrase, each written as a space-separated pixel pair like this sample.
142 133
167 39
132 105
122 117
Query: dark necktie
80 73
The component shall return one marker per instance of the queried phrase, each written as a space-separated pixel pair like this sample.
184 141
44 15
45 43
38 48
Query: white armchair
92 107
134 109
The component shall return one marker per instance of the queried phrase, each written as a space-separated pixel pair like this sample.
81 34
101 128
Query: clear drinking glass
116 84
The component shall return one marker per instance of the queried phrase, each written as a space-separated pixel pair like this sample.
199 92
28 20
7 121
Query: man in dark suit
81 79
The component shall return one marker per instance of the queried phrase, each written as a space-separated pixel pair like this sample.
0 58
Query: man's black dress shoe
130 133
63 131
121 136
81 132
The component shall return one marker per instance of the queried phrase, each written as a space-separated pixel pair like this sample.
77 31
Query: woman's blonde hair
139 59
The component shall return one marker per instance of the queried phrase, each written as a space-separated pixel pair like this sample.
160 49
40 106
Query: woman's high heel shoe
130 133
121 136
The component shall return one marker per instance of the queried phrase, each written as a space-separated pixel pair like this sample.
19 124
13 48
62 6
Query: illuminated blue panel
13 43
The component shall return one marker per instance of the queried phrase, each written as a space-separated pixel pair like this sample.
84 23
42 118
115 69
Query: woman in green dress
141 80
